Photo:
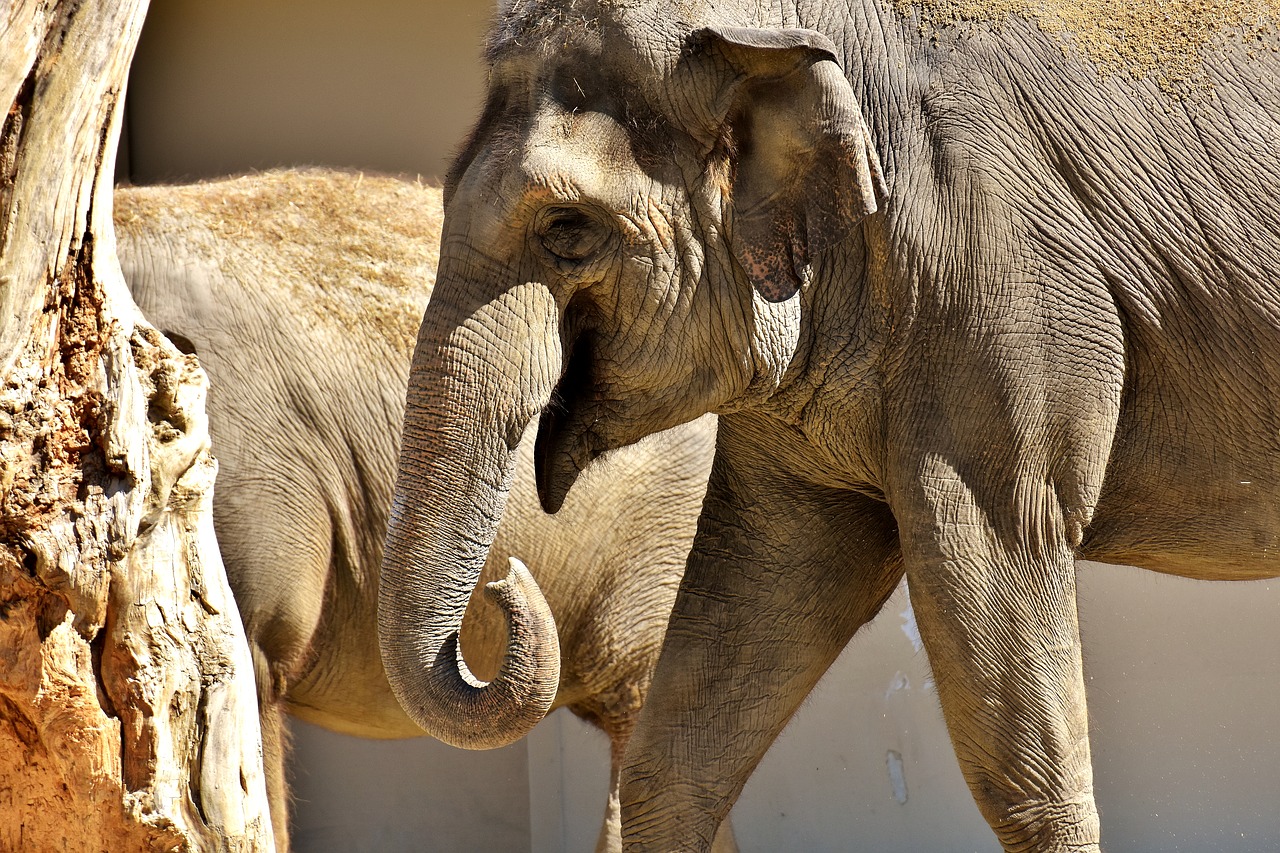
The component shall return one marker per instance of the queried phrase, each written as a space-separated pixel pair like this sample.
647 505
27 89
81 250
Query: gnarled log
127 709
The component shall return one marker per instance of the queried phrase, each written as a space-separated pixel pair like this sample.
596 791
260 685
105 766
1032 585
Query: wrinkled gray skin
300 292
968 309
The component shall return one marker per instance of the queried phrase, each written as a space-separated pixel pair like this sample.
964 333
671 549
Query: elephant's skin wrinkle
300 291
974 300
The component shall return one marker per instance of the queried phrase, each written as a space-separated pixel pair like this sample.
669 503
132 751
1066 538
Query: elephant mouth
561 450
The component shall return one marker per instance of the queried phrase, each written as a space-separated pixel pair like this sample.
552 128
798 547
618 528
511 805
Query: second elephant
301 292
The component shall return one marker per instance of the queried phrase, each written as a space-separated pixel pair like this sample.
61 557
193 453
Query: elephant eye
570 233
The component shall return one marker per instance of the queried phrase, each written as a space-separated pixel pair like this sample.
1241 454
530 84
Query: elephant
974 293
300 291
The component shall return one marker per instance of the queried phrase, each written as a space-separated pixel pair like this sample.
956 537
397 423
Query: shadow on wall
365 796
221 88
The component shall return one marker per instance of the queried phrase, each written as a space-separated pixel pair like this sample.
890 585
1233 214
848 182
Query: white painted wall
1184 696
1184 677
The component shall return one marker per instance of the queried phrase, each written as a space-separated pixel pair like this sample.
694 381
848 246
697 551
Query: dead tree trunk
127 710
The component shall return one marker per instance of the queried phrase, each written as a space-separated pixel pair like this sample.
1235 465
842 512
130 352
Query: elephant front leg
780 577
996 608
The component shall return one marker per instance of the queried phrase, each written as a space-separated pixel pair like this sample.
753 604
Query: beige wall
221 87
1184 677
361 796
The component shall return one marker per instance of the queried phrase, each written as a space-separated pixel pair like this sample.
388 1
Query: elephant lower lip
549 462
556 464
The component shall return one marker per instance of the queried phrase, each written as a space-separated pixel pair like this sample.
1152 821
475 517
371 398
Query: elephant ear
805 171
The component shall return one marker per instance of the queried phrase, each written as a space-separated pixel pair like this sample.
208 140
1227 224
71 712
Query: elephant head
615 260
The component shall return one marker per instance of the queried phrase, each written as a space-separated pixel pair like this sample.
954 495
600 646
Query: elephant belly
345 688
1216 530
360 705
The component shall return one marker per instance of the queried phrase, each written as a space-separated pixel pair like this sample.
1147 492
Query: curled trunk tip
533 645
452 705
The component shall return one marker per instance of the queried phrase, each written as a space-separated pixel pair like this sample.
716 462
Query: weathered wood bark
127 710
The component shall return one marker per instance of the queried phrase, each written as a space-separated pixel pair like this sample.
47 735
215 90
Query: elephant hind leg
611 832
277 666
618 727
276 547
275 750
616 720
275 745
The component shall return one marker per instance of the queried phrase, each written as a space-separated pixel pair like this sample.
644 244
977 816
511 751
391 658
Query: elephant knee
1038 825
271 675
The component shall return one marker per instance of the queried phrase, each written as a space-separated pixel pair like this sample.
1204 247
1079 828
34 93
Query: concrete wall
1184 677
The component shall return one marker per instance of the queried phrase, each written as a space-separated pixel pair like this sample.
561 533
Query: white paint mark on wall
910 628
897 780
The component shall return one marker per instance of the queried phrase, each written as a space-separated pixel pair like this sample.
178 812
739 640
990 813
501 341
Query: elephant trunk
479 375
